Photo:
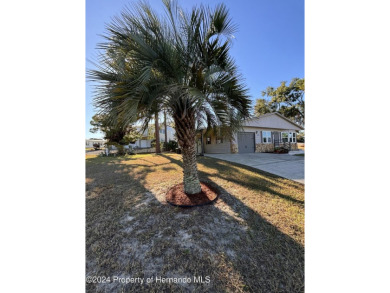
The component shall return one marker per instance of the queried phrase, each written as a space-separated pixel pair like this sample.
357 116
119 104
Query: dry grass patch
251 239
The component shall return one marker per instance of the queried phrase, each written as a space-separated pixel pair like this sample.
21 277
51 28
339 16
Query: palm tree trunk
190 178
185 131
157 133
166 131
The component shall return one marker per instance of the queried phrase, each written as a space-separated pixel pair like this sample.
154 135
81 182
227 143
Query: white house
89 142
170 134
144 142
259 134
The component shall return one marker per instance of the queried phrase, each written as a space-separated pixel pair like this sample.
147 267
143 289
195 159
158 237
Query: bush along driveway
250 240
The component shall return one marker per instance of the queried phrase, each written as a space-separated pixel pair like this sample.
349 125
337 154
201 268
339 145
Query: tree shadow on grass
263 183
130 232
270 260
283 252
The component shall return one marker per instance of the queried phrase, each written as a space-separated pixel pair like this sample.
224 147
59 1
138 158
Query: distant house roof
272 120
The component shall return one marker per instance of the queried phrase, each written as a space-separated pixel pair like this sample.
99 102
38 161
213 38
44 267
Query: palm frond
179 61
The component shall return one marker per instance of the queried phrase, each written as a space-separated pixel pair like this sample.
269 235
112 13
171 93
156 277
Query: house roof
272 120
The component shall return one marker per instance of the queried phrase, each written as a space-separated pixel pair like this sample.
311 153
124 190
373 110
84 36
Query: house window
208 140
292 137
162 131
289 137
219 139
285 136
266 136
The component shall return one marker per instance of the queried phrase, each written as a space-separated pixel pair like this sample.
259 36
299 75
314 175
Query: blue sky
269 44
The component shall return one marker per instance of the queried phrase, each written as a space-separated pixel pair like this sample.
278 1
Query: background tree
116 134
156 133
262 107
113 133
288 100
301 136
132 135
179 61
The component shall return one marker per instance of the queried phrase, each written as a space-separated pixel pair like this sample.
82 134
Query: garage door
246 142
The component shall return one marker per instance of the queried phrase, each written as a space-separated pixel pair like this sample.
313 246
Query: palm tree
179 61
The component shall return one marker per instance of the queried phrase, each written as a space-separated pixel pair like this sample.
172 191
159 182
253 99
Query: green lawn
250 240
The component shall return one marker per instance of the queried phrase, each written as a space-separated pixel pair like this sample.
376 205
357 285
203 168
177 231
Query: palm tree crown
179 62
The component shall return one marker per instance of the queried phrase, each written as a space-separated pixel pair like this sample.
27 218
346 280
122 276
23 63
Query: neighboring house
260 134
170 134
91 141
144 142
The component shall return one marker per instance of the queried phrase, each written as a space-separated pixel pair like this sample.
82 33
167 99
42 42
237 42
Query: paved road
284 165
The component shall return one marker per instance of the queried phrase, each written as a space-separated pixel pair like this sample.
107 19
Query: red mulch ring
177 197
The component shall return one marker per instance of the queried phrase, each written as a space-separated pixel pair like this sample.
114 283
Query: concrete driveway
284 165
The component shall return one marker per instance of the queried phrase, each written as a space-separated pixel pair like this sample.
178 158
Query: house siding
214 148
221 148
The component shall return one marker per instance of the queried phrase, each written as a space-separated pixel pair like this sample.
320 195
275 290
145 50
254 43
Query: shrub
281 150
170 146
130 151
153 144
96 146
119 147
